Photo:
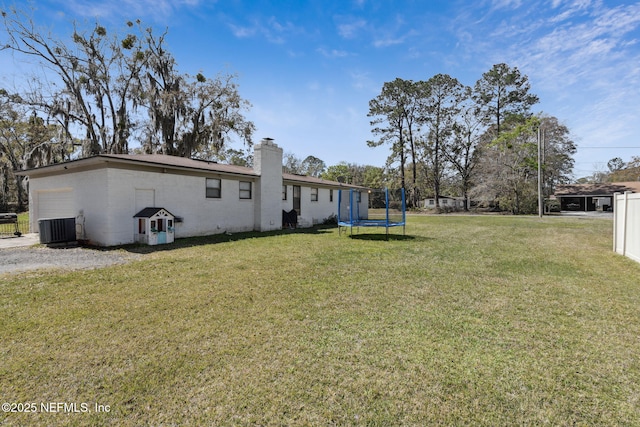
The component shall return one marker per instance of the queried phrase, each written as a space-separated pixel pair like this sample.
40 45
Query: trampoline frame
354 219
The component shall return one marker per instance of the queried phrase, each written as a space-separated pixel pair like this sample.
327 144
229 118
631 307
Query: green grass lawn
465 321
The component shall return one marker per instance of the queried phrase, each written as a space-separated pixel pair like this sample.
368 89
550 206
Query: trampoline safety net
375 208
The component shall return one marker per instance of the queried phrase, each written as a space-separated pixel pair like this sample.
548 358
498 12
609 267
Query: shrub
330 220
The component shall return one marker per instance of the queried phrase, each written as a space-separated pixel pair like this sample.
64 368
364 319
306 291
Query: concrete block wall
105 195
184 196
88 200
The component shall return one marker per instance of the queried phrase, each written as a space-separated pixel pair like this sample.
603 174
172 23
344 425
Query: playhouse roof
149 212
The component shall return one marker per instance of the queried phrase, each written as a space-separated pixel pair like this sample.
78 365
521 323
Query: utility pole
540 198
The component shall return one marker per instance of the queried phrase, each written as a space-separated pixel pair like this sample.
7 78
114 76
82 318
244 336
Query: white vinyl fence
626 225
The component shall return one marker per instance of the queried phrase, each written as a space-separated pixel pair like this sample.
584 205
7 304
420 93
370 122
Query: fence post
615 222
624 222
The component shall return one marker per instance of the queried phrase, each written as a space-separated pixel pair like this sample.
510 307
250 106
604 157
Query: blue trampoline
352 213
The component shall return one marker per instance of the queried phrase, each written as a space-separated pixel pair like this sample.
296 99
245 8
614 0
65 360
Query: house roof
316 181
149 212
161 160
606 189
182 162
169 162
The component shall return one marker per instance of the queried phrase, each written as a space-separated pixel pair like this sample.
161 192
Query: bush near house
464 321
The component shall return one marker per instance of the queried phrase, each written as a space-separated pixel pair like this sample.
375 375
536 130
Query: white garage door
56 204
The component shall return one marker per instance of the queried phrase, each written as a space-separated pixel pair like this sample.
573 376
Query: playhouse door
162 231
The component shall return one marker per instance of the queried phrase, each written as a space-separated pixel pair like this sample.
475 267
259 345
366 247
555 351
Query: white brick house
104 193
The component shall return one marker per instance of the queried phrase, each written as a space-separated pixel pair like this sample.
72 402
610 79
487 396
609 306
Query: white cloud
576 7
506 4
91 9
157 9
591 65
332 53
388 41
271 29
351 29
581 57
314 86
395 32
242 32
595 45
362 81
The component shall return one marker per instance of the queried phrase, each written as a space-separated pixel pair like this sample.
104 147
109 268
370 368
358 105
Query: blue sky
309 68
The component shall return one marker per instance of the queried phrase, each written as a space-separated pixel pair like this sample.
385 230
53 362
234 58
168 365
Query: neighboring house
592 197
445 202
106 191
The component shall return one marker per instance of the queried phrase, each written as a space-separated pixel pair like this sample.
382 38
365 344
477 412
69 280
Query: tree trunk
20 192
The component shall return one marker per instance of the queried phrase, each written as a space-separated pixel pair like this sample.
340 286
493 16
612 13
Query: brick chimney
267 162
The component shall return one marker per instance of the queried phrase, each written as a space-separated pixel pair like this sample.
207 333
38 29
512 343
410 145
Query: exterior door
296 198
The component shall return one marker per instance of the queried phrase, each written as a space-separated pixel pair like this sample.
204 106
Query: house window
432 202
213 188
284 192
358 197
245 189
445 201
314 194
331 195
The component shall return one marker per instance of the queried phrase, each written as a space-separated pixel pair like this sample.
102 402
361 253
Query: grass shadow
383 237
188 242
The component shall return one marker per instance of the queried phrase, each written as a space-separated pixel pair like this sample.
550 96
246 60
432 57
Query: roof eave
106 159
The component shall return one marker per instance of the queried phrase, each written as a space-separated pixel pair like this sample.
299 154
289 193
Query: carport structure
592 197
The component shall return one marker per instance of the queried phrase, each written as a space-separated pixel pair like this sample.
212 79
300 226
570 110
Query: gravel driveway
33 258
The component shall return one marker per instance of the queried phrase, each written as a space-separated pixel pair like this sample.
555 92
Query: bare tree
462 150
508 170
396 114
557 149
26 141
98 74
313 166
628 171
105 80
292 164
441 99
191 116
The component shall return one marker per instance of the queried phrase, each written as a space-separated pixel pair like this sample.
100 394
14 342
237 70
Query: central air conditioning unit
57 230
